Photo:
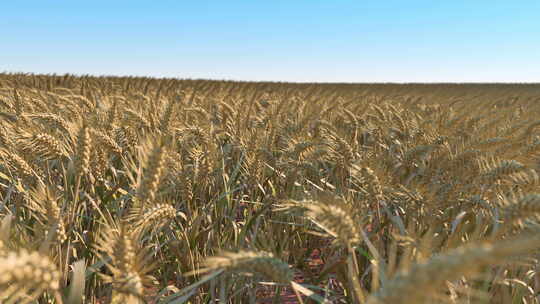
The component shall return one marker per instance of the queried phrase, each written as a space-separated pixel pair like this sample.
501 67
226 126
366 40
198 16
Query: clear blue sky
309 40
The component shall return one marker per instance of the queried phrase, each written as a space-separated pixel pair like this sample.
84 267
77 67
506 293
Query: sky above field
304 40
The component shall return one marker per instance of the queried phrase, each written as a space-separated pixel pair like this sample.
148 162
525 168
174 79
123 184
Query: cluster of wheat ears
140 190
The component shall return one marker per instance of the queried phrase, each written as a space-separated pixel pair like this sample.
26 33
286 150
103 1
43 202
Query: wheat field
141 190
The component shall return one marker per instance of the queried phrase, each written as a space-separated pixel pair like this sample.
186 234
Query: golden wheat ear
337 219
5 228
18 166
259 263
106 142
44 203
129 262
516 210
52 121
153 171
38 146
152 218
426 280
24 276
82 150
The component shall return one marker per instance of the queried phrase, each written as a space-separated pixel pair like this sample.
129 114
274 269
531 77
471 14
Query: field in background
140 190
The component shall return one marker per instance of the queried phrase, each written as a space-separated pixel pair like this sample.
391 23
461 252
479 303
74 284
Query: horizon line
80 75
